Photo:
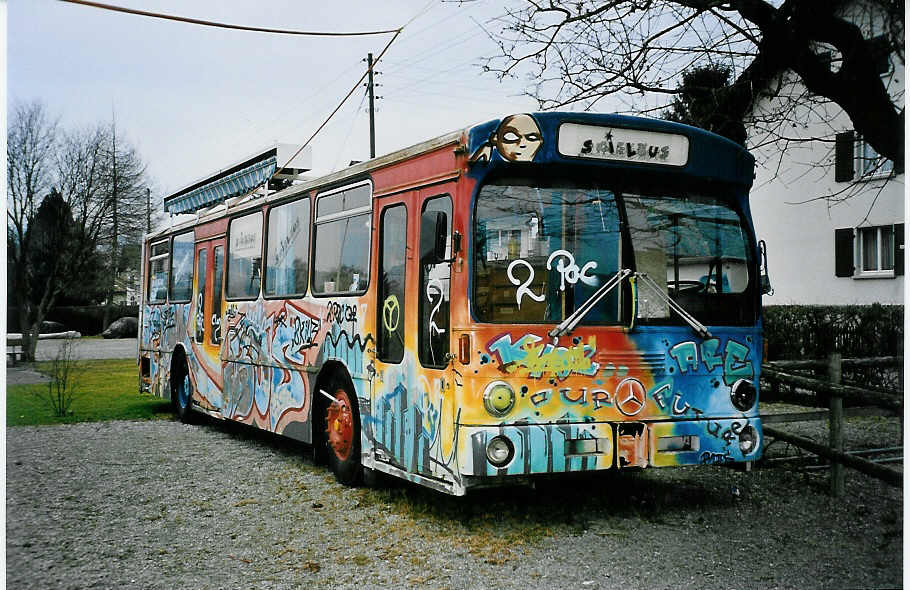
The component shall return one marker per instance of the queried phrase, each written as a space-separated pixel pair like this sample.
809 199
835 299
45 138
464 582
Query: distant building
831 210
126 288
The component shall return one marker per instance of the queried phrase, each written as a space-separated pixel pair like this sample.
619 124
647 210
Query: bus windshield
540 252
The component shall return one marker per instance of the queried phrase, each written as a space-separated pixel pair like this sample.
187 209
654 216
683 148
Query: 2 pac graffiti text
569 272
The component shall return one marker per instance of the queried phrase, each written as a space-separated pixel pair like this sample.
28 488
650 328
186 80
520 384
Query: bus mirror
764 278
456 243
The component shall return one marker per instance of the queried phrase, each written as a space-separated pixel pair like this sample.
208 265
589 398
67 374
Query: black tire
342 434
374 479
182 394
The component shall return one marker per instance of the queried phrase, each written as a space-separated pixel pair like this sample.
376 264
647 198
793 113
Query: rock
127 327
48 327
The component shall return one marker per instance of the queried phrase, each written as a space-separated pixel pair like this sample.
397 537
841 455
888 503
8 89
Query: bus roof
708 155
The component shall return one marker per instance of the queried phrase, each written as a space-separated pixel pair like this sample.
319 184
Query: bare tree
797 58
30 143
127 194
82 165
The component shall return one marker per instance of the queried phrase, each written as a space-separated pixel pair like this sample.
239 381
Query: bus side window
287 249
159 263
245 256
217 279
341 257
199 297
181 285
433 332
393 232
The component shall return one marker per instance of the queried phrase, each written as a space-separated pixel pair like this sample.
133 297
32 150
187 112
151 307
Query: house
830 210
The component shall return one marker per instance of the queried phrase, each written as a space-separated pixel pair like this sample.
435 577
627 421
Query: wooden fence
785 386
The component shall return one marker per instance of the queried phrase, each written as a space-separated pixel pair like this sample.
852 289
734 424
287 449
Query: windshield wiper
699 328
568 324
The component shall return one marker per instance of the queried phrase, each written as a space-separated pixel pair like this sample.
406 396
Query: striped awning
238 183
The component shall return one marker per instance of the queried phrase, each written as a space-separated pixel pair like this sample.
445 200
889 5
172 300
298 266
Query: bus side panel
294 332
274 348
163 327
411 423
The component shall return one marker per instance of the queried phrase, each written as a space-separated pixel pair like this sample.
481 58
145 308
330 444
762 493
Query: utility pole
115 230
148 210
372 117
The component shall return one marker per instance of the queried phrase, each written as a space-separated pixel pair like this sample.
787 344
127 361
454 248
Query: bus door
206 322
435 408
412 397
392 381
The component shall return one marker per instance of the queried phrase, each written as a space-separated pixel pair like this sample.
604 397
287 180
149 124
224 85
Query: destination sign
625 145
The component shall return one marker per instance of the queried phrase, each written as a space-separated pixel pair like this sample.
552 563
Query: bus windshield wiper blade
568 324
699 328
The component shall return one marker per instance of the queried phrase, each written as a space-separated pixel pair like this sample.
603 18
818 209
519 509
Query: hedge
815 331
89 320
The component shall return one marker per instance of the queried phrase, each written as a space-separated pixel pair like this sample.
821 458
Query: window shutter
843 252
898 249
843 157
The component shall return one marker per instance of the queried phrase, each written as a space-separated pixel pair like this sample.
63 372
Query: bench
14 351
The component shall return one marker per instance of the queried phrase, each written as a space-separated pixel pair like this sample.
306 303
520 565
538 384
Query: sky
194 99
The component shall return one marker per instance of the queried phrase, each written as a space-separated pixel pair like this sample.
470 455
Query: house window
881 54
870 252
876 249
868 163
855 159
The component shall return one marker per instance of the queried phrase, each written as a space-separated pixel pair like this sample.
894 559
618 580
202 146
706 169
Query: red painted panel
415 169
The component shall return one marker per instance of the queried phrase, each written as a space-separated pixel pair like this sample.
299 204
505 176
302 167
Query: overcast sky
194 99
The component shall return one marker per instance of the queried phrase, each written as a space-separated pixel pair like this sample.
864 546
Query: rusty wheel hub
340 425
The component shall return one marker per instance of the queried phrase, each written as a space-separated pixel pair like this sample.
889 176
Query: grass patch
107 390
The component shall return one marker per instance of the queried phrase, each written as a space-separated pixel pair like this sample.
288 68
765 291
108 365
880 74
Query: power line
350 130
359 81
196 21
343 100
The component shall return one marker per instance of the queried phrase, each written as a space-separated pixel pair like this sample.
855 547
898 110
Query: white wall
800 237
797 205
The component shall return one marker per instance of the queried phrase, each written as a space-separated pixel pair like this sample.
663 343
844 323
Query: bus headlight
498 399
743 395
500 451
748 438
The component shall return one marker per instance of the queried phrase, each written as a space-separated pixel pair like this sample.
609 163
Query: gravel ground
165 505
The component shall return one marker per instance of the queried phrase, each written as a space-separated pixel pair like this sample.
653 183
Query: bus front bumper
529 449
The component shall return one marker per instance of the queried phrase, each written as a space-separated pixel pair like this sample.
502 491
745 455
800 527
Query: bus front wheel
342 436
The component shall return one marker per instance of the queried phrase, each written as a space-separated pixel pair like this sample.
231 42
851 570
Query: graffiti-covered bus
536 295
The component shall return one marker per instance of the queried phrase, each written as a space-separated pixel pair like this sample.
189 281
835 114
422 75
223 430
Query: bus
541 294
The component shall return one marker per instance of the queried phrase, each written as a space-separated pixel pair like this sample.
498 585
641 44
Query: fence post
836 426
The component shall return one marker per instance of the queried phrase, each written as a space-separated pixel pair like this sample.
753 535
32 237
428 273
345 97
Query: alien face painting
517 139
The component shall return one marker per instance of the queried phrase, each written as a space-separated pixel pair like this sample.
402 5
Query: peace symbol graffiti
391 313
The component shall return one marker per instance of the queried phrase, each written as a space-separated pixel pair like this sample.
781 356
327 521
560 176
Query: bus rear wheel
342 436
182 395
